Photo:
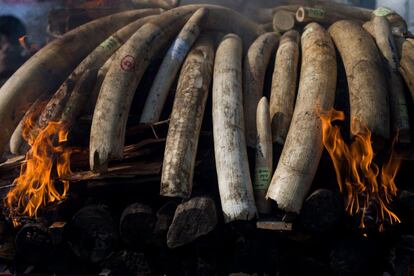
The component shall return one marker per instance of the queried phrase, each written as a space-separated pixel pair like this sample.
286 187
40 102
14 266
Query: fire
358 177
47 159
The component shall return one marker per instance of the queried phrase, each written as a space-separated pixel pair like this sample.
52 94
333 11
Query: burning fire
358 177
47 159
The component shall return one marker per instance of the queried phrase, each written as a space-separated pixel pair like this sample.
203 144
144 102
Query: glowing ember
358 177
47 159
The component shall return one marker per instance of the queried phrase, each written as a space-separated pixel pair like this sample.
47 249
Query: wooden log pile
195 141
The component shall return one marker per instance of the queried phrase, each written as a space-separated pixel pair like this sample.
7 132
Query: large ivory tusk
93 61
366 80
236 192
264 157
114 101
398 105
186 119
48 68
303 148
169 68
284 85
254 71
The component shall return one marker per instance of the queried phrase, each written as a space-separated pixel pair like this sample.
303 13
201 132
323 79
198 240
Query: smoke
33 14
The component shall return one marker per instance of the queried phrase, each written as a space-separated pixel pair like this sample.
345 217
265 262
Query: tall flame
358 177
47 159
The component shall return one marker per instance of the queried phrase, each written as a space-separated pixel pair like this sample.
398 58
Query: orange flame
47 159
357 175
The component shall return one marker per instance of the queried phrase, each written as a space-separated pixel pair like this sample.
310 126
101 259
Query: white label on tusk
111 43
179 49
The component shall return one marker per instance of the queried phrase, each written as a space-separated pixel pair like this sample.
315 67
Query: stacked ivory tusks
98 67
129 64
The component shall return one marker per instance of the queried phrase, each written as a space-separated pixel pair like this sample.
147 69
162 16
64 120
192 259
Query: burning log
283 21
136 225
254 71
186 119
96 59
46 70
92 233
232 166
398 106
108 125
194 218
367 83
303 148
284 85
264 157
170 67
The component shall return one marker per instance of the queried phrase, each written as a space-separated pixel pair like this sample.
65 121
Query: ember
358 176
47 159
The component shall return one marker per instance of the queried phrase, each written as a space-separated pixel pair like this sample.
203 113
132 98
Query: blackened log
165 216
92 233
321 211
136 225
192 219
34 242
